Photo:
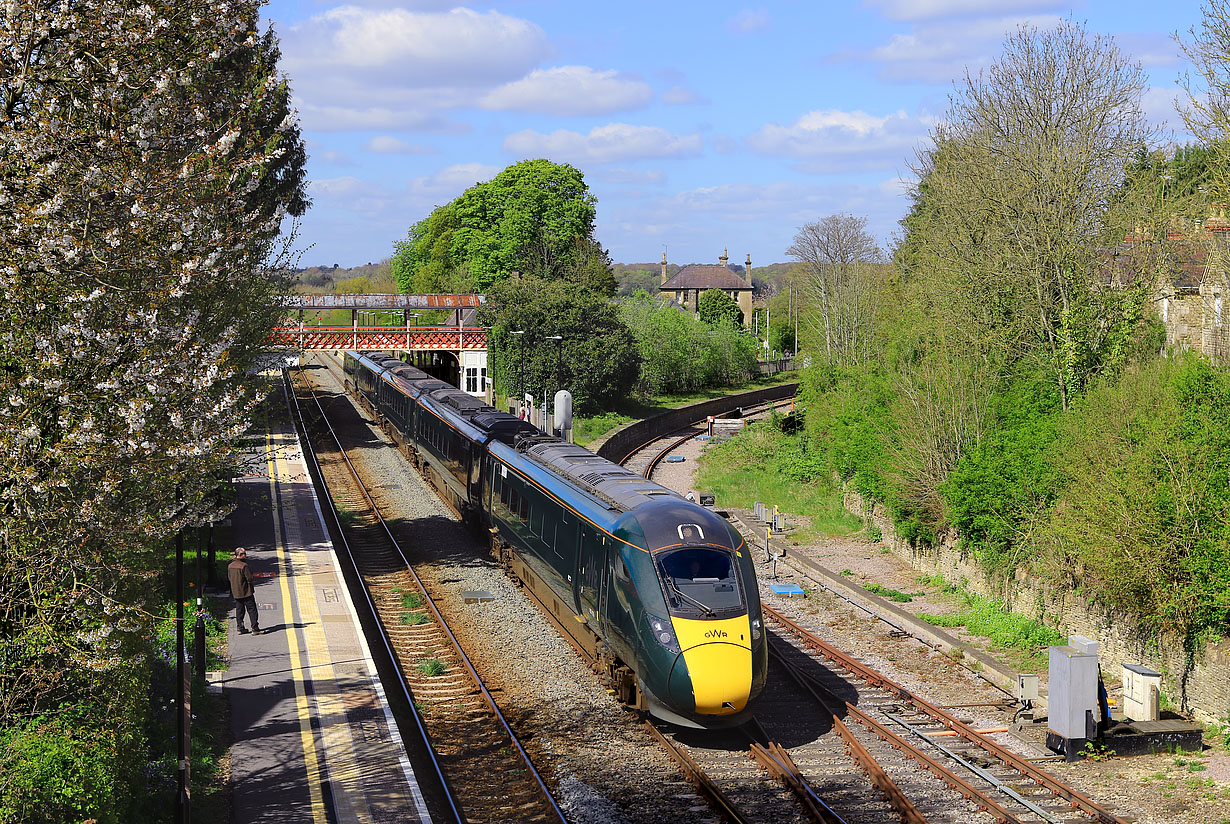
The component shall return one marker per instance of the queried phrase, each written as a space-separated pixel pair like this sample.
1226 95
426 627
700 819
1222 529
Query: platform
314 739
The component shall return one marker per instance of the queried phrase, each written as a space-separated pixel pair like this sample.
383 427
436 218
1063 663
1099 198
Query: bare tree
1207 115
1014 197
838 257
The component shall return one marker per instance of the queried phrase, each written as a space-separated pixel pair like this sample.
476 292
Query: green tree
713 306
148 161
596 360
681 353
1015 200
535 218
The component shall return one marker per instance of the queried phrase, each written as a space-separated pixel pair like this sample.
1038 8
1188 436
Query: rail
430 603
1069 794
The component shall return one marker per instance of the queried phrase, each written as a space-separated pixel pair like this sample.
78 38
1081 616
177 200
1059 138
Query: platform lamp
559 339
520 366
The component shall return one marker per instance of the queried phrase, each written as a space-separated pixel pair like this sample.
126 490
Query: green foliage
58 770
535 218
597 360
1145 511
895 595
762 463
680 353
432 667
1097 752
988 618
715 306
413 619
411 600
1006 481
781 337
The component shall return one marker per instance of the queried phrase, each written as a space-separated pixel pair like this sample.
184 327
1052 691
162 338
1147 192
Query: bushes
680 353
1144 514
57 771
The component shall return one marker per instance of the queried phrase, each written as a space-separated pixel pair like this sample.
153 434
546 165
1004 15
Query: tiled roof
700 276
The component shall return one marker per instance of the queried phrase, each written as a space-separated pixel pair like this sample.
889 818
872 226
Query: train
659 591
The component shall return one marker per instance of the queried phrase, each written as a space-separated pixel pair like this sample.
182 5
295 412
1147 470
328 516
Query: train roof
618 487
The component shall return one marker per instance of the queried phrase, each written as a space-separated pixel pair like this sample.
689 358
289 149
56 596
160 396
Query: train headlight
664 633
756 629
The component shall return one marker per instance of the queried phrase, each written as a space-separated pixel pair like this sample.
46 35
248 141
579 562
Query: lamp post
559 339
520 367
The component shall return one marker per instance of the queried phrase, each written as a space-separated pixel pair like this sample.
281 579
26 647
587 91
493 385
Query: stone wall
1201 686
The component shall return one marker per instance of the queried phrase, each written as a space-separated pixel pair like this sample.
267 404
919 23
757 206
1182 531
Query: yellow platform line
302 706
341 763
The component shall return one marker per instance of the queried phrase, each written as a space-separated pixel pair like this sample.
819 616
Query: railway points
314 738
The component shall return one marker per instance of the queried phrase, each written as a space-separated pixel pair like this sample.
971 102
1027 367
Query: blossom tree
148 157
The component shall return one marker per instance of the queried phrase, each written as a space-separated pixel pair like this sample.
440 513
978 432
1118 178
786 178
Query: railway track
1002 784
484 766
858 748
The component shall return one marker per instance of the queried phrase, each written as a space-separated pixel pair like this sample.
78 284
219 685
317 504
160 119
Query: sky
699 126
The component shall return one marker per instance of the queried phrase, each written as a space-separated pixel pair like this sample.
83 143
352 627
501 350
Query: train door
618 605
592 561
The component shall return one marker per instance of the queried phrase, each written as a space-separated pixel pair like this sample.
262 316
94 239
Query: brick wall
1201 686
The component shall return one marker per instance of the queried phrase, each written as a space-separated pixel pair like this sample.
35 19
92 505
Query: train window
621 569
513 501
536 520
700 580
524 513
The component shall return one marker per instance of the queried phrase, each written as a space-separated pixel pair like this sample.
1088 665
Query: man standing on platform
241 590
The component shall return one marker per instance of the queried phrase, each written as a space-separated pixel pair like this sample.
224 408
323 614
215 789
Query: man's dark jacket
241 579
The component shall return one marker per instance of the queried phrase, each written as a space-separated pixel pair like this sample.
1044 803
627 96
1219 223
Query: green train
660 592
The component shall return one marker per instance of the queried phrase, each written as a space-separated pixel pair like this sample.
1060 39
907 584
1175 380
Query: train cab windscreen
701 582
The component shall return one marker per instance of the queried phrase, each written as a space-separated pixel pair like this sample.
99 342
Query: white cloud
570 90
604 144
935 9
749 20
451 181
755 218
1158 104
942 52
461 45
681 95
384 144
832 140
356 68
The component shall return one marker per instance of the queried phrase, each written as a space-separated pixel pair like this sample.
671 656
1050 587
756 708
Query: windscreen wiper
709 613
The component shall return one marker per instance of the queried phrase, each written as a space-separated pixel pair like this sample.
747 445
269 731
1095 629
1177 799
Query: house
687 285
1194 288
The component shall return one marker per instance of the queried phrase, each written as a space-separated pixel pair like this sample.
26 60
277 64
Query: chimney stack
724 259
747 270
663 267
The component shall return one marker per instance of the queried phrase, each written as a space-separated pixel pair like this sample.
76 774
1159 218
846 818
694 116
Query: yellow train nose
716 671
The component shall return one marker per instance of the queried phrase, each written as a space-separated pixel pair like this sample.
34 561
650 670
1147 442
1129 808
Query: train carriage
660 590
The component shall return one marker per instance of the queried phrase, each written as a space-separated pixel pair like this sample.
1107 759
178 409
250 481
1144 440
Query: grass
432 667
895 595
411 600
413 619
738 474
986 617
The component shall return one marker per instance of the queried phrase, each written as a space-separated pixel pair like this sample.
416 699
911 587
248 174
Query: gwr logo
716 633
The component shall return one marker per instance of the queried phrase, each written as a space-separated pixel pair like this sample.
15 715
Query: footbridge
455 351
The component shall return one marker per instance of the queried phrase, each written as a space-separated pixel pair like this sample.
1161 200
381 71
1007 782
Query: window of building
472 379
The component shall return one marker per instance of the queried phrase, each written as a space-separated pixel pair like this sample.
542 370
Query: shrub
57 772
